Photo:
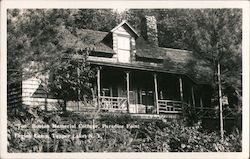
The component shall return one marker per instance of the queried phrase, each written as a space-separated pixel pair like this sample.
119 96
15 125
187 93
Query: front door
148 100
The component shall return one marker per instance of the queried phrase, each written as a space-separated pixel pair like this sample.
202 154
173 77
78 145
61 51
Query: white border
125 4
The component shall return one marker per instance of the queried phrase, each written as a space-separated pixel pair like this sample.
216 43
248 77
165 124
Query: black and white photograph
124 80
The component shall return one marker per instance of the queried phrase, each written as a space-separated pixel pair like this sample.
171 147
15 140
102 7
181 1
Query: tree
40 40
213 35
193 29
32 37
36 35
219 39
96 19
71 81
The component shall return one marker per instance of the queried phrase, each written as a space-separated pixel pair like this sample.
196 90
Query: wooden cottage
135 75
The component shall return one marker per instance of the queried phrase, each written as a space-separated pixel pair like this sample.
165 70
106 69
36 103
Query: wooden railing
170 106
112 104
119 104
214 112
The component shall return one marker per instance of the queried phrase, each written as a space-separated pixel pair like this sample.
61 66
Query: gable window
123 45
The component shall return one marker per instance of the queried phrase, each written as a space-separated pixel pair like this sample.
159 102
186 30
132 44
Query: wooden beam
193 98
98 86
127 81
156 94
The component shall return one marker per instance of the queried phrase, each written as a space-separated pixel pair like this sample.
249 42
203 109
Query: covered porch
145 92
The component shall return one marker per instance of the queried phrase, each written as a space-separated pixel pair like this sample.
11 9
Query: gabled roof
96 39
124 22
174 60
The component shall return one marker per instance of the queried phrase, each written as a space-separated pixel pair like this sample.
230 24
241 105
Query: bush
155 135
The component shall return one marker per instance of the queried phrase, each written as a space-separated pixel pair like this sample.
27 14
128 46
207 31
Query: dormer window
123 41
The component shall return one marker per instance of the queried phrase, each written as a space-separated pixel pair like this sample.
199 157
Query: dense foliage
162 135
71 80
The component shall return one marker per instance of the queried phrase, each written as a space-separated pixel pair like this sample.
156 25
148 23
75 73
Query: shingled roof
85 38
97 38
174 60
143 48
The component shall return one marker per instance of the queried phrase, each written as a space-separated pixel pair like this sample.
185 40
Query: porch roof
133 66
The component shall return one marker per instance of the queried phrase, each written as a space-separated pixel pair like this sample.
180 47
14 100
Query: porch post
201 103
140 96
193 99
111 91
98 86
181 90
156 93
127 80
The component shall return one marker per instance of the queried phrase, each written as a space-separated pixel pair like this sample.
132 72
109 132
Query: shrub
155 135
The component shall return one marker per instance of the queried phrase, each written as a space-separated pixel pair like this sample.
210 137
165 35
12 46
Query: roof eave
125 22
149 57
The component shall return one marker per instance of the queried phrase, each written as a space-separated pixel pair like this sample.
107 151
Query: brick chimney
149 30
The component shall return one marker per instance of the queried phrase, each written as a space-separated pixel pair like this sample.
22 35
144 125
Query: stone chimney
149 30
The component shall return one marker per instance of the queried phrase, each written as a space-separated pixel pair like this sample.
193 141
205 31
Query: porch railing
113 104
119 104
170 106
214 112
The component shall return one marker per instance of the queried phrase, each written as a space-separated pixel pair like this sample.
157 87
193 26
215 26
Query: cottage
135 75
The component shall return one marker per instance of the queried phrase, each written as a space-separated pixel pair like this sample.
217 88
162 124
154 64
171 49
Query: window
123 43
123 49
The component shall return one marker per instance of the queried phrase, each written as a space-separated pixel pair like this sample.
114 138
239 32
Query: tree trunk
78 87
220 103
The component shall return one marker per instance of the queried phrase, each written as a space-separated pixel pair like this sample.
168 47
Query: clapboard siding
31 92
29 87
14 94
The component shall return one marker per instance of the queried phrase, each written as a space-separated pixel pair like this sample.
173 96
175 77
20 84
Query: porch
146 92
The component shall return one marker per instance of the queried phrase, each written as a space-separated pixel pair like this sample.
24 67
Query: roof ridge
94 30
